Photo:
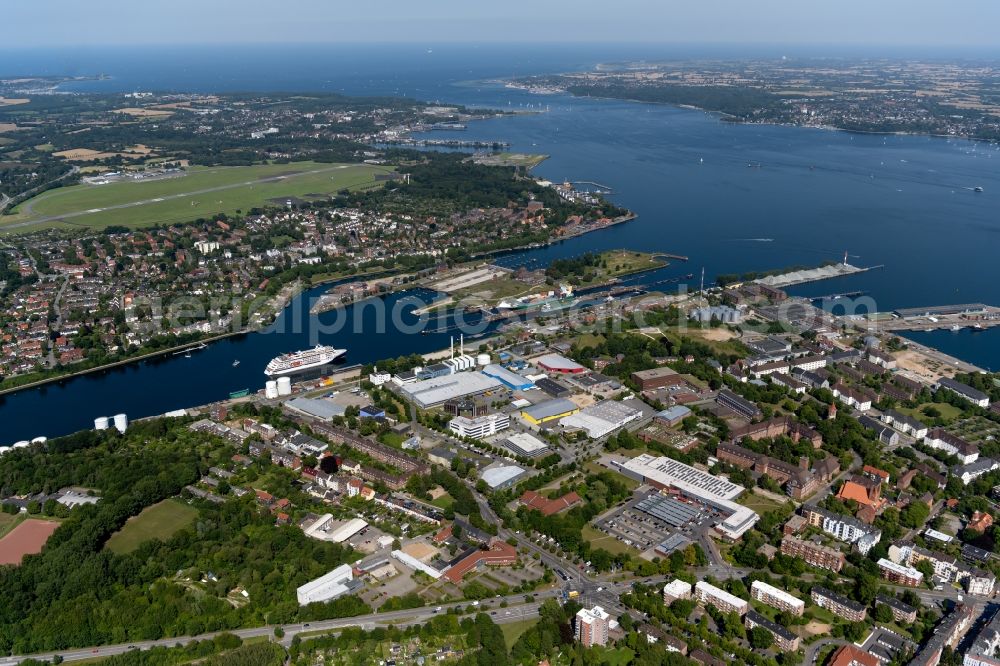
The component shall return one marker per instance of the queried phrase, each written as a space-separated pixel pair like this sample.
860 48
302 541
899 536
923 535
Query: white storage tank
101 423
23 444
121 422
271 389
284 385
483 359
39 440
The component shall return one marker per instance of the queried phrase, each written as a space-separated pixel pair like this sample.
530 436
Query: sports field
25 539
200 192
159 521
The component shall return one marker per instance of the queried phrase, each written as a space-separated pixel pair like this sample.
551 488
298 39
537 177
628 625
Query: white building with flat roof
603 418
776 598
718 493
592 626
325 588
479 426
325 528
438 390
676 589
706 593
525 444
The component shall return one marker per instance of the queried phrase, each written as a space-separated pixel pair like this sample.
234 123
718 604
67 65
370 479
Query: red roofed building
499 554
547 507
848 655
863 490
875 473
443 535
980 522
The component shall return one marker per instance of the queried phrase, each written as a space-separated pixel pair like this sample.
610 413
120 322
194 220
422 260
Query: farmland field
25 539
159 521
199 192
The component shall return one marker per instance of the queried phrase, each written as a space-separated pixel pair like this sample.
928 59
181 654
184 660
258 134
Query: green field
201 192
598 539
159 521
759 503
948 412
9 522
513 630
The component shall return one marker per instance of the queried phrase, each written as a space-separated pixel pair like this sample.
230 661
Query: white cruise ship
299 361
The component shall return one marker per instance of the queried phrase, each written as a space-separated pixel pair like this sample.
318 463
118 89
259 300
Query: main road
517 609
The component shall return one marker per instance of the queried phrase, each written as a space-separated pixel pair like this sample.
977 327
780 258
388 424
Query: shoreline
736 120
249 330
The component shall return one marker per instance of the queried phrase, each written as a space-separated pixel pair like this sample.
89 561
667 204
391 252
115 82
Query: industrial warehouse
673 476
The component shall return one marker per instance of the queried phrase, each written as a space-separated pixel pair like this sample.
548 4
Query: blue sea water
901 202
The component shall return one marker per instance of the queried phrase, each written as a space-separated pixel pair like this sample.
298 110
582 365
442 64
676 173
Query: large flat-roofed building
815 554
325 528
550 410
337 583
785 640
525 444
500 476
941 310
900 574
776 598
511 380
656 378
559 364
439 390
706 593
674 476
603 418
838 604
480 426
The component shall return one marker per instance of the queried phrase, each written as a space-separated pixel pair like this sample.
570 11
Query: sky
67 23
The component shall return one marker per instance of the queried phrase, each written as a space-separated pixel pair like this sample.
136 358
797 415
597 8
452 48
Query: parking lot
650 519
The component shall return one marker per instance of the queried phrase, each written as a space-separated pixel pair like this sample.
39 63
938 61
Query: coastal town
875 95
537 437
719 481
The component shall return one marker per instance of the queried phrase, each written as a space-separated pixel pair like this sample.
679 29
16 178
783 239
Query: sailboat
236 362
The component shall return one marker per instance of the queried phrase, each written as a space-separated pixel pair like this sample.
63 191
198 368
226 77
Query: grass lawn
948 412
598 539
443 502
624 262
759 503
202 192
513 630
159 521
596 468
9 522
614 656
393 439
589 340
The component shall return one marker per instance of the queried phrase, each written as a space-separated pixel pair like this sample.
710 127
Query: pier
813 275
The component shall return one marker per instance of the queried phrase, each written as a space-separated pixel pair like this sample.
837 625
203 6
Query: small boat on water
236 362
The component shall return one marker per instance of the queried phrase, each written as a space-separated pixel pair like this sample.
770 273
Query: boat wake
753 240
